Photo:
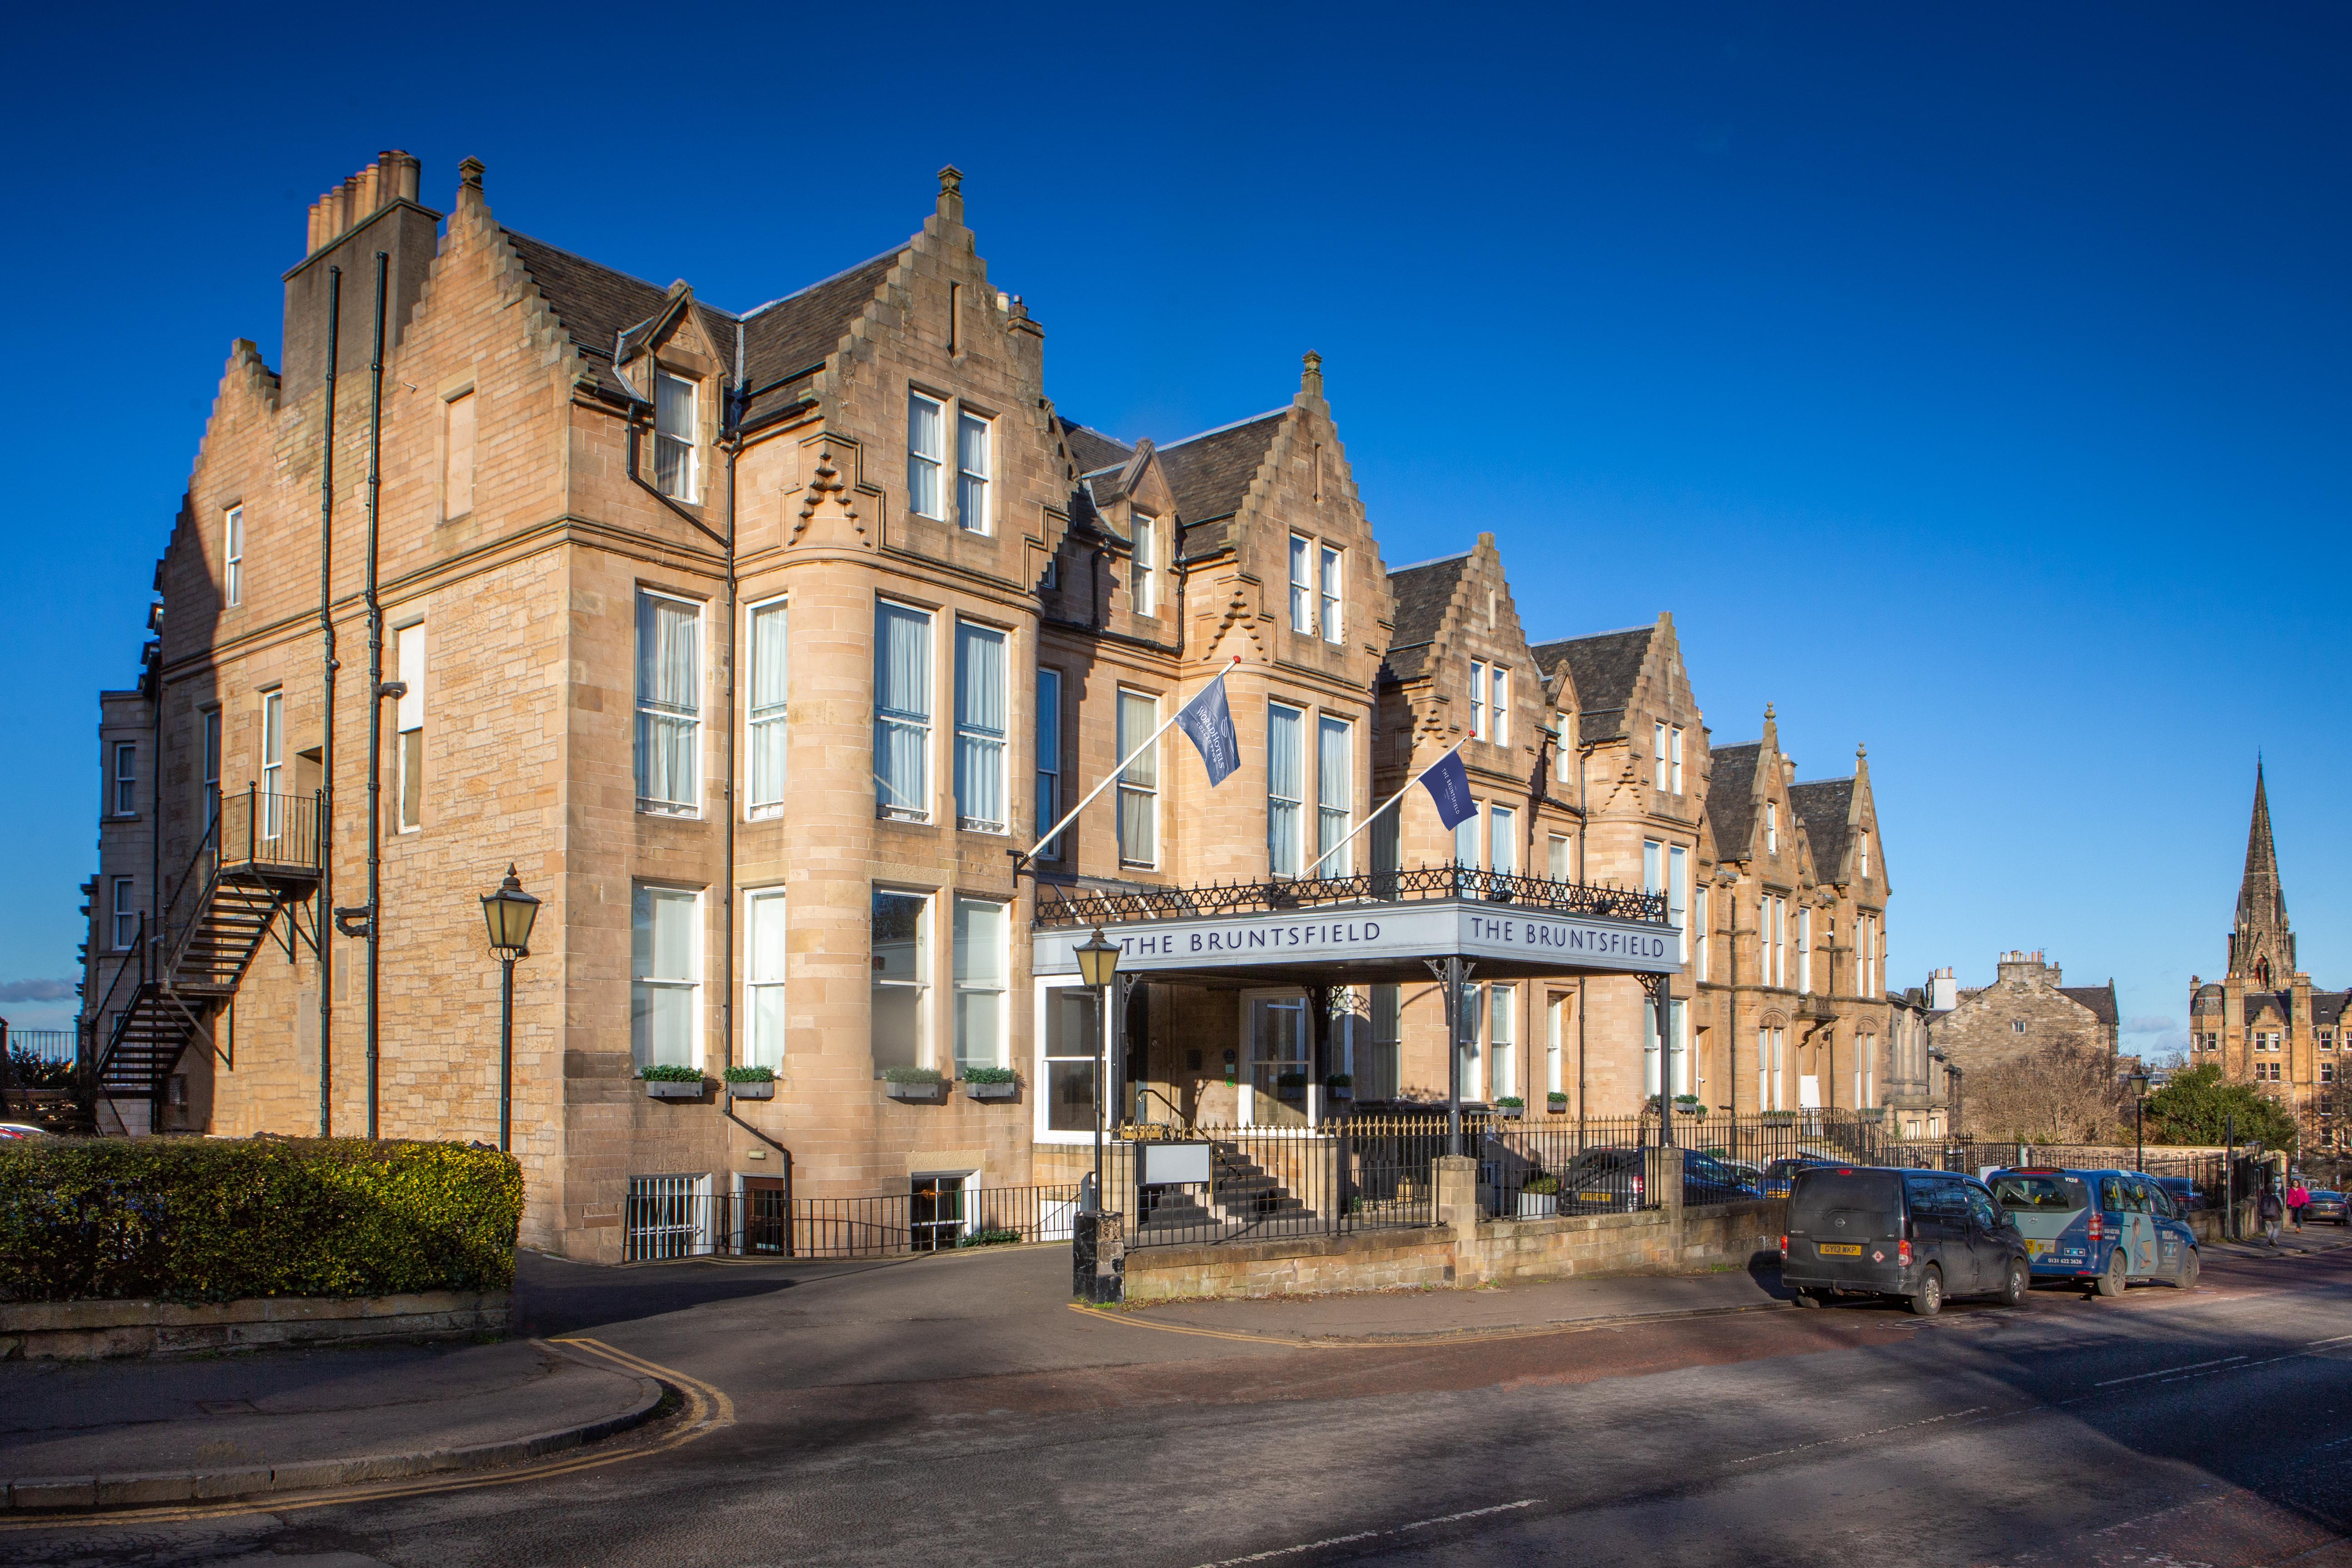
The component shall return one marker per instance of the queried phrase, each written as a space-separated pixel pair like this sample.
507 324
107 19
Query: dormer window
1142 575
674 434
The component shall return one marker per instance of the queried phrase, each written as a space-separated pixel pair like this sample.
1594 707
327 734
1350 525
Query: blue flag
1449 786
1210 724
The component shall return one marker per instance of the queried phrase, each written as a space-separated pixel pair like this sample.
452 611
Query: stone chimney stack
1943 990
375 209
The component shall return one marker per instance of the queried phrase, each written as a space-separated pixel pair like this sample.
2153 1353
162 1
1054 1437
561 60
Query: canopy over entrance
1384 926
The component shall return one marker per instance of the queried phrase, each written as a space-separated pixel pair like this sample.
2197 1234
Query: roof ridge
589 261
785 298
1205 434
1433 560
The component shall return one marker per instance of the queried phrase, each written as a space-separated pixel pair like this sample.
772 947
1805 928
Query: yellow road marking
1436 1337
706 1410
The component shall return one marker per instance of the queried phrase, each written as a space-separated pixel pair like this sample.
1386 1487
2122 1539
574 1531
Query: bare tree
2067 1094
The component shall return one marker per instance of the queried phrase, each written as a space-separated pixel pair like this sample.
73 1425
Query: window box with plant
1778 1118
1509 1105
1341 1086
667 1080
1556 1103
1688 1105
751 1083
991 1083
1539 1196
1290 1085
915 1086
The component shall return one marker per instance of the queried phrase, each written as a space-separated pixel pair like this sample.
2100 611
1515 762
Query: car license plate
2036 1249
1840 1250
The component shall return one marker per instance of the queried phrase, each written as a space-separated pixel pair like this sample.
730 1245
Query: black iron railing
1059 905
1275 1182
671 1218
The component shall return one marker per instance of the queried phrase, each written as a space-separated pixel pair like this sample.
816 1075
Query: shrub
1557 1096
39 1072
751 1074
1510 1100
666 1072
212 1220
987 1238
990 1075
911 1075
1541 1183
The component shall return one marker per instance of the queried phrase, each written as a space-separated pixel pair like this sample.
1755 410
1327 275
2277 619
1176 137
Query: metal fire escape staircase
260 856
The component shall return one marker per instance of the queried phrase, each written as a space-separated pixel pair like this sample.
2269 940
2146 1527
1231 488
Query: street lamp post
2138 1085
1099 968
509 912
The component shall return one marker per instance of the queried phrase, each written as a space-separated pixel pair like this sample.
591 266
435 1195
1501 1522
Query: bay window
1678 893
1286 786
764 962
1502 840
664 978
669 704
902 975
980 970
980 727
771 663
126 778
1072 1046
1334 794
902 712
1503 1041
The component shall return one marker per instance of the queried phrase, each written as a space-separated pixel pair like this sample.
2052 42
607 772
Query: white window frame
1302 584
126 916
1658 754
1560 762
759 1050
409 652
1559 862
1332 565
1865 867
1674 753
1049 758
1142 566
643 1052
649 711
766 714
907 720
1477 698
1654 865
1771 827
1698 943
1502 840
1470 826
1555 1042
1678 893
925 1051
1142 787
927 470
1286 815
669 443
989 750
273 761
975 487
1498 702
126 778
1043 991
1333 818
1805 950
962 985
1503 1042
211 761
233 556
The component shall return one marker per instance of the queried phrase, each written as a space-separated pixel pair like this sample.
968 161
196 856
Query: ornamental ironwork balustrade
1058 905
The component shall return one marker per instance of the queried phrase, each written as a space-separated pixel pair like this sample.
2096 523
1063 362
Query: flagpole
1023 857
1391 800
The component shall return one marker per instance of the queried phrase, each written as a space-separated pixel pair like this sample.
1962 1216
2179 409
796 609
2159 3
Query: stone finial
469 175
1767 710
951 207
1310 377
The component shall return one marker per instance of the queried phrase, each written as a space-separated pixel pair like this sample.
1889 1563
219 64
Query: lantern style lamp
2137 1083
1098 967
509 912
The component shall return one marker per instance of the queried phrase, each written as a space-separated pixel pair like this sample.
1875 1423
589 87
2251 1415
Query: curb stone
53 1493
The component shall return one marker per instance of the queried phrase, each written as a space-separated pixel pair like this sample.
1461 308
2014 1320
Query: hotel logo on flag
1449 786
1209 721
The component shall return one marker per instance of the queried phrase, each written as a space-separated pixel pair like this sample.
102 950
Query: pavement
146 1431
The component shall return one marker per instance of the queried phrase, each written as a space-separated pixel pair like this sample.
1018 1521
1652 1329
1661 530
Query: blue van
2099 1228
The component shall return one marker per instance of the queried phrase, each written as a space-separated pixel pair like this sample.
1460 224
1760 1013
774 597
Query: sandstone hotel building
754 640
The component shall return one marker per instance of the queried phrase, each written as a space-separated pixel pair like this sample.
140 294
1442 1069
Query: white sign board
1392 931
1165 1164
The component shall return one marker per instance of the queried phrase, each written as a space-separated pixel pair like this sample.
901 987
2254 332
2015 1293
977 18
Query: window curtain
770 646
971 478
1286 786
925 449
1049 758
902 708
674 436
662 953
979 726
1503 841
980 980
1333 759
1465 841
666 705
1137 829
765 959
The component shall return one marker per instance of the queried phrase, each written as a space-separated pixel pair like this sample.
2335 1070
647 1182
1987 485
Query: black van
1919 1235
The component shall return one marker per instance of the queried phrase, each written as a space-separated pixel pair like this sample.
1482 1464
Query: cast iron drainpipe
327 706
377 691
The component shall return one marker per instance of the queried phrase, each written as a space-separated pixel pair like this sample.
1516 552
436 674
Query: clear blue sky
1969 383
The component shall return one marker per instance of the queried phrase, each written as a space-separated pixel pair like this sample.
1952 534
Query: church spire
2261 947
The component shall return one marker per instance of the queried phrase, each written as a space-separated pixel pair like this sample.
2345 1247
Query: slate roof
1209 475
2328 1006
1092 450
1422 592
1822 806
1731 798
2099 999
1604 667
783 341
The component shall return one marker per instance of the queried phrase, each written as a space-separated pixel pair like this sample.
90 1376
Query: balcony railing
1058 905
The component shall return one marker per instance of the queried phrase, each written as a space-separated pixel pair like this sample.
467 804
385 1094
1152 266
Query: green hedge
212 1220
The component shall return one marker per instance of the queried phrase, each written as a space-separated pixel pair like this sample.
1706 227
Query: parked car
2327 1204
1779 1173
1601 1181
1916 1235
17 1132
2183 1191
2101 1229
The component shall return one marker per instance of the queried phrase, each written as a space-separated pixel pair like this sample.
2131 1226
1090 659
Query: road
955 1411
